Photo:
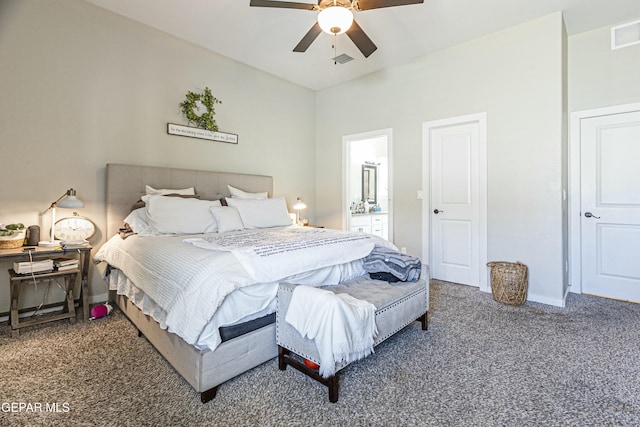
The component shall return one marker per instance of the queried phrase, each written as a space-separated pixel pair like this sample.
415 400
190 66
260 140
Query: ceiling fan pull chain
335 49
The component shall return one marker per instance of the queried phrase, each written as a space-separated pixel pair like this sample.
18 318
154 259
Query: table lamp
69 201
299 205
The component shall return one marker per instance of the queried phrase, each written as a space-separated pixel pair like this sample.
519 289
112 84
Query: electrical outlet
403 250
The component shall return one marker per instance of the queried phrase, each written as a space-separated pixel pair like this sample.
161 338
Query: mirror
369 184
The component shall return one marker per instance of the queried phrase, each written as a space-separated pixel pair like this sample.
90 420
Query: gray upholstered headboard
126 184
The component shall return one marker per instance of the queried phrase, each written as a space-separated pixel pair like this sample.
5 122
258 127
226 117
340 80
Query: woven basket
509 282
12 242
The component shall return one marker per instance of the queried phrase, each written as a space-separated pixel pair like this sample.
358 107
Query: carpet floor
480 363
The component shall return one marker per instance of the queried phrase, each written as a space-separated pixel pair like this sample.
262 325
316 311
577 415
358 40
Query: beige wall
528 79
601 77
516 76
81 87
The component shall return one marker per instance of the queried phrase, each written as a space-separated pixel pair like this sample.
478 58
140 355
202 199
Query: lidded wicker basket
509 282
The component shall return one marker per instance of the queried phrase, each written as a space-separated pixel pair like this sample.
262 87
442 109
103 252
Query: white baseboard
98 299
542 299
558 302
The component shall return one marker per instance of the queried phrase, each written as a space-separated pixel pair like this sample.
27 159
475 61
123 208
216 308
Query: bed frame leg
208 395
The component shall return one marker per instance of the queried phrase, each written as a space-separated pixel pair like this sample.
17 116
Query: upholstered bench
397 305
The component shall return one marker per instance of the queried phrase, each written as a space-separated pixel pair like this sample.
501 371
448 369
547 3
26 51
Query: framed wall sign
191 132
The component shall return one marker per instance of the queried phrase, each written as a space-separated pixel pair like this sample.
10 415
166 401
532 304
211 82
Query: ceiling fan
336 17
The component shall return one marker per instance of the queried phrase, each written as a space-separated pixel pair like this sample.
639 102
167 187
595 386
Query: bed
206 348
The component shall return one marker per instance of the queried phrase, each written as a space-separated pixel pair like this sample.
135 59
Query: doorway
367 186
454 210
605 202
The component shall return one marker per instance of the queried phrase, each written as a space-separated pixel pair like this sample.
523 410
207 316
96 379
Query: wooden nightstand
70 277
17 280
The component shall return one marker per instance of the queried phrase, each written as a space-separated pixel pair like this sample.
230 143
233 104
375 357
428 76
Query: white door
455 208
610 205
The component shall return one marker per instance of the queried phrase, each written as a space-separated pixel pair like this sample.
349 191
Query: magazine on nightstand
73 244
28 267
63 264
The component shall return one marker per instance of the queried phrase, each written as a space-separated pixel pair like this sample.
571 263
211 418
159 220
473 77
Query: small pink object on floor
100 310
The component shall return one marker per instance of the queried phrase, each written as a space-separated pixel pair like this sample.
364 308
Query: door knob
590 215
436 211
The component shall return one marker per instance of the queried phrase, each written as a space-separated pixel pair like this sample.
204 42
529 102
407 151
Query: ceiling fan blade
308 38
282 4
361 40
377 4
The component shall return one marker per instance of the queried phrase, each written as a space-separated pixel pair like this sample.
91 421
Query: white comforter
189 284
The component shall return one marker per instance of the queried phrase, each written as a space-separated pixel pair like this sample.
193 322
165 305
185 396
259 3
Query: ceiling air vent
625 35
342 59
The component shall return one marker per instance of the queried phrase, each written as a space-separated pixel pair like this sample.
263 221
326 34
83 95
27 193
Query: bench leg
285 358
425 321
282 363
333 384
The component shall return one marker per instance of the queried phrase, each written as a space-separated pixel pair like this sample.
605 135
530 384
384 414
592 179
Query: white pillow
262 213
177 215
137 221
227 218
164 191
239 194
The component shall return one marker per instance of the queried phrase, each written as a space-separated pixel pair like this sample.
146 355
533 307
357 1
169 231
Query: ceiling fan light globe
335 19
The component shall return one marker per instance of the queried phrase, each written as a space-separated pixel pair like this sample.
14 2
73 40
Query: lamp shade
335 19
299 204
70 202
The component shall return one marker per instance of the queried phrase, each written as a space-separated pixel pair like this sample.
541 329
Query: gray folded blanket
388 264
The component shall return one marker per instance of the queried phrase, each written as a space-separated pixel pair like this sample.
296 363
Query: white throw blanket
343 327
270 255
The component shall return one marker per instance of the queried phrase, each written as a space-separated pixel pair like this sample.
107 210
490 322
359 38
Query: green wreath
190 106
